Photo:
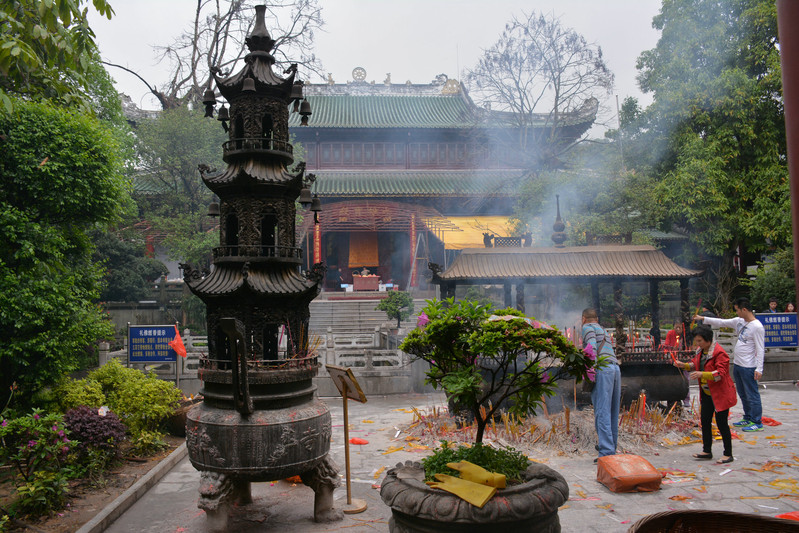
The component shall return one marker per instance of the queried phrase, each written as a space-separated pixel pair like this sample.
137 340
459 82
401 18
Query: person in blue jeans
748 353
606 395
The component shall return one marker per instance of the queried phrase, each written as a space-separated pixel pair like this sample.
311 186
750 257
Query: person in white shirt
748 360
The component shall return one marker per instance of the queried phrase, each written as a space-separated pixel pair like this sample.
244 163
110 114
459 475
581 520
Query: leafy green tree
129 272
46 50
398 304
715 130
537 72
172 196
62 177
774 280
482 362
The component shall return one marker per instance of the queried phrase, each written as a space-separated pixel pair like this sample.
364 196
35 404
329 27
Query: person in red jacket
711 366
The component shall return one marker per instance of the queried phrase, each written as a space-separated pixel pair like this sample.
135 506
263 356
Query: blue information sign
780 329
148 344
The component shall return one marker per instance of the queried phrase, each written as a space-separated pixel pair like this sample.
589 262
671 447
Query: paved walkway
170 506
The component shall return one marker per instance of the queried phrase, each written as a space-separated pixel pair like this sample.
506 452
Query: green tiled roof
388 111
415 111
422 183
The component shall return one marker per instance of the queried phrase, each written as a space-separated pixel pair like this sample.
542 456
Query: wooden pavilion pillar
654 298
685 313
447 290
414 274
595 296
618 316
507 293
520 296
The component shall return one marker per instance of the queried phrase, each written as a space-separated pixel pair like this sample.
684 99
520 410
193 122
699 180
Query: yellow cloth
478 474
474 493
363 250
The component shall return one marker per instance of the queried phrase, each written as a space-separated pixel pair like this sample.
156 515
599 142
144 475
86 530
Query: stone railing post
104 349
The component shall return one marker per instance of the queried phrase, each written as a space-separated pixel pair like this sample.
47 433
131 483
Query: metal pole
347 443
177 363
787 20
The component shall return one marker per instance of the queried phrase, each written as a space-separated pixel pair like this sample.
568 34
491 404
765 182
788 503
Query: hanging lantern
305 197
296 94
305 111
316 208
223 114
209 100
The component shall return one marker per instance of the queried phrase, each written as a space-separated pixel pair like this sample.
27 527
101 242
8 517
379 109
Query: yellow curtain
363 250
470 231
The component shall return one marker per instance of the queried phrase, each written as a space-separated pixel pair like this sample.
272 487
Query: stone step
352 316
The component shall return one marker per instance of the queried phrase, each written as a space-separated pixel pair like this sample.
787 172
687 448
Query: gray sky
411 39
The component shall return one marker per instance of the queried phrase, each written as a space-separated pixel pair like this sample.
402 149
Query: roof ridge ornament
259 39
558 235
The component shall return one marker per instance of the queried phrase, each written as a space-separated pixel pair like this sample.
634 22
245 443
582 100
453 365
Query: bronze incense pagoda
260 419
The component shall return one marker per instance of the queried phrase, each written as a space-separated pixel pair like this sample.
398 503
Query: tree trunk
481 427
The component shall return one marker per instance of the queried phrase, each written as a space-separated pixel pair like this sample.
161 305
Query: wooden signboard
348 386
346 383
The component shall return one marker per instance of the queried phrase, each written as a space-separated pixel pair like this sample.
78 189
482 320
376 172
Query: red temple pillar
787 18
317 243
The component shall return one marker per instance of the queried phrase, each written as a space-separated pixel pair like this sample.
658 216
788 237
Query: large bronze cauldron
277 429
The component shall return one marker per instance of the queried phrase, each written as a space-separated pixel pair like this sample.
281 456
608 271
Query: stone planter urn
531 506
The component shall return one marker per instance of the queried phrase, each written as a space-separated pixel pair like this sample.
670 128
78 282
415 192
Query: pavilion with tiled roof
515 267
409 173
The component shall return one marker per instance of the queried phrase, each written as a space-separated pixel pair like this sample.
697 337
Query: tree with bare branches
215 40
539 74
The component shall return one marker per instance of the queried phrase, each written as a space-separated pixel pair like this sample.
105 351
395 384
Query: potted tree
481 358
398 304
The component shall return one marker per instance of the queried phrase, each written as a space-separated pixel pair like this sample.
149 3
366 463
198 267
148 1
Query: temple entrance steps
352 316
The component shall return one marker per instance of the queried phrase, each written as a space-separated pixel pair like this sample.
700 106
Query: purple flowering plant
482 357
34 442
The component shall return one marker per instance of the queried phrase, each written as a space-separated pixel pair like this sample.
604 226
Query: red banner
317 243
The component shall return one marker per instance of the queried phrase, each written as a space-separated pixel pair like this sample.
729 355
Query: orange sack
627 473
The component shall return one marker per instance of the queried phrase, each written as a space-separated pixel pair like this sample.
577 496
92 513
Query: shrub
397 304
37 446
97 435
34 442
507 461
44 492
112 375
145 404
482 357
147 443
82 392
